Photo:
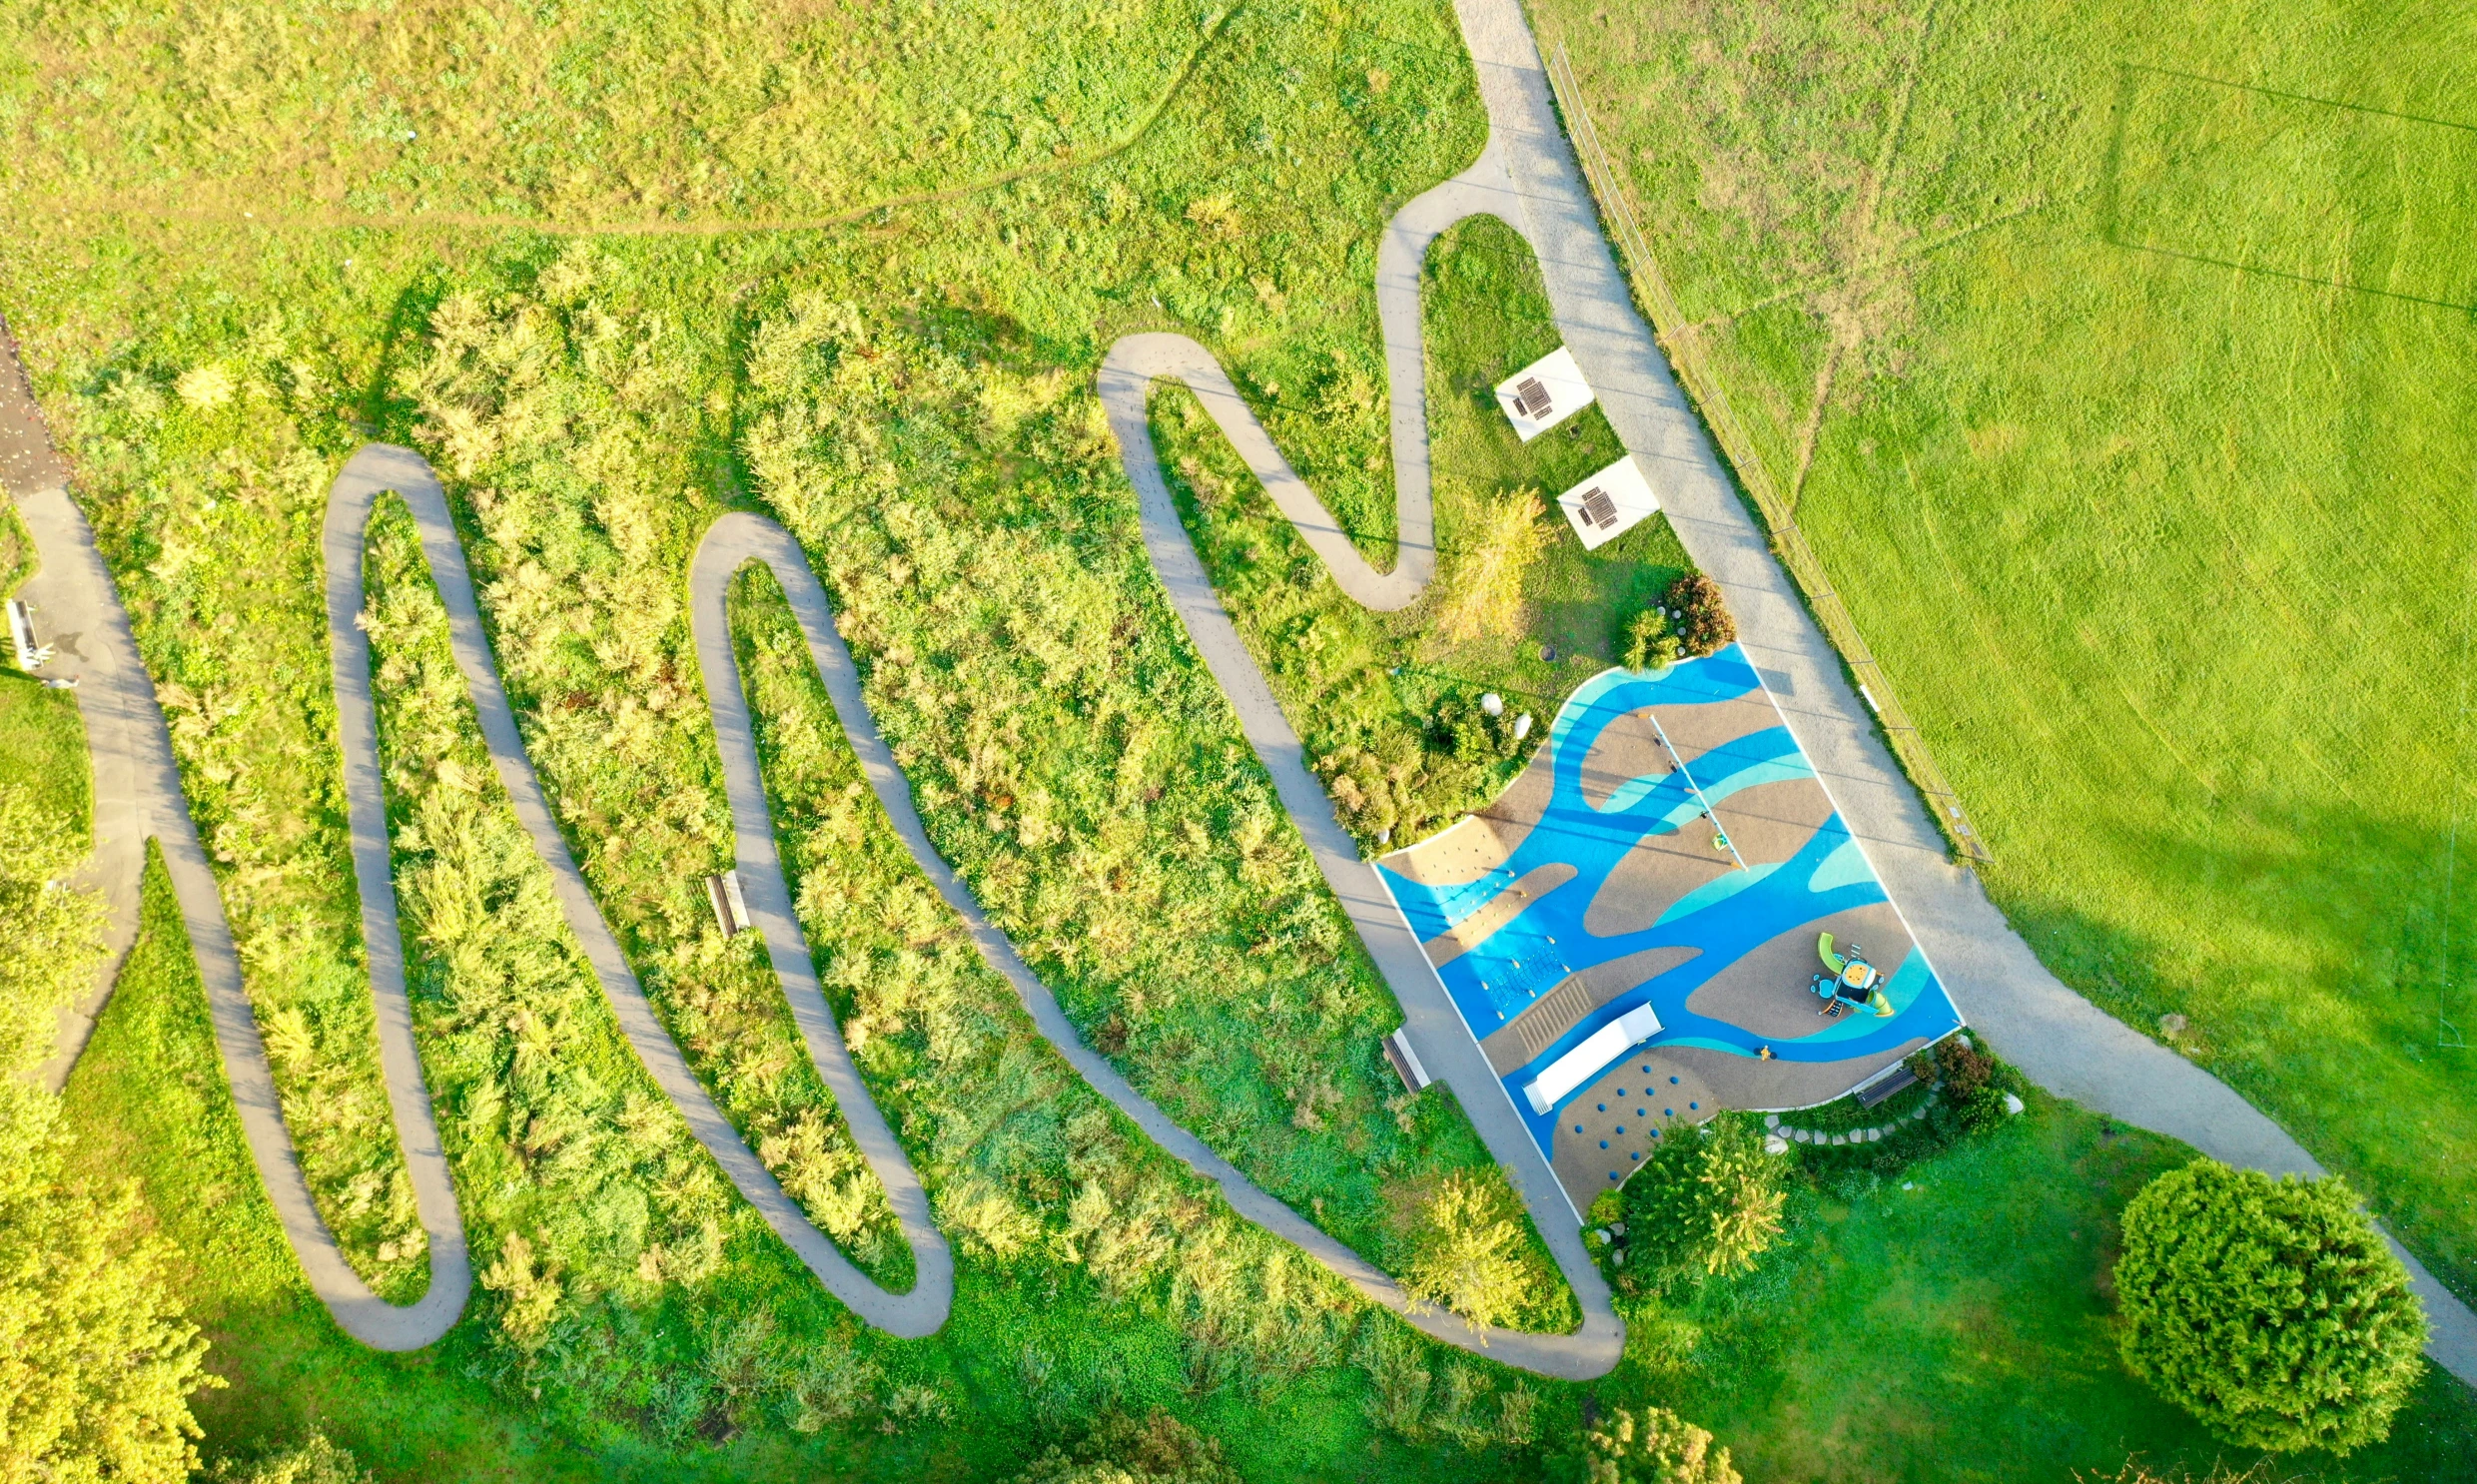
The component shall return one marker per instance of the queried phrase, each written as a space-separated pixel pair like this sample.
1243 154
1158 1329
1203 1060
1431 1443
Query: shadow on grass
2320 979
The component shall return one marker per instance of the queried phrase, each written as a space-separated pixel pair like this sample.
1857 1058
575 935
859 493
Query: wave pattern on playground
1545 940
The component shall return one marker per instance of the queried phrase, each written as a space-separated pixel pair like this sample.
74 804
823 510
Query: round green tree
1707 1203
2269 1310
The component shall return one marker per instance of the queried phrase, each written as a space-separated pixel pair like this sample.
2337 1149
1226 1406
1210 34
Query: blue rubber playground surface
1634 921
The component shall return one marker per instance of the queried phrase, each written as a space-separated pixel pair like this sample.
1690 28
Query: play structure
1853 981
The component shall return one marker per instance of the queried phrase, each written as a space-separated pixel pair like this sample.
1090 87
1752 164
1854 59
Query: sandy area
1766 991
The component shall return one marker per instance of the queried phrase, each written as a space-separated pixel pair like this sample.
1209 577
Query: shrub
1650 643
2136 1471
1457 1401
2269 1310
1653 1446
1160 1449
1705 1205
1469 734
1468 1257
1969 1079
316 1461
1703 621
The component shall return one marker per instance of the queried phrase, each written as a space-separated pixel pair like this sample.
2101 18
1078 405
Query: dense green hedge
2269 1310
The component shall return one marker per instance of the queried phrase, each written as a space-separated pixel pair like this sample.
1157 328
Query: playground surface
1630 930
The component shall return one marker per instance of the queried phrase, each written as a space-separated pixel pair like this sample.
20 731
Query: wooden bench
1887 1082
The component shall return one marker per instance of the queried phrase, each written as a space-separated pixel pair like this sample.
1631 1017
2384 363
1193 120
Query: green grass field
2119 357
570 313
1951 1322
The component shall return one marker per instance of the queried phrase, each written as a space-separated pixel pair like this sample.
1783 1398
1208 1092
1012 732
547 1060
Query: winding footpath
736 539
379 468
1528 177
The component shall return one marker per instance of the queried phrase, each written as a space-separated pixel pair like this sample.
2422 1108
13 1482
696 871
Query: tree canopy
2269 1310
1708 1203
96 1363
1469 1253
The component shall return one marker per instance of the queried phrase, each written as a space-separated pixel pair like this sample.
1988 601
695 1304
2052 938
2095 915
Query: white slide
1587 1059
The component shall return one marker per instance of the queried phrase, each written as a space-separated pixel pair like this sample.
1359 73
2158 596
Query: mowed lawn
1954 1322
2119 358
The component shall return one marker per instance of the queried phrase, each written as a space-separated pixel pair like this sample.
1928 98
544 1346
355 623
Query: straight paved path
2062 1040
71 621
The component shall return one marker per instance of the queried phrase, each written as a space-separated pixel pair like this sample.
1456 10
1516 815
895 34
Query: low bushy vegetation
1389 704
1120 1449
1651 642
1693 606
315 1460
2270 1309
97 1361
591 408
1652 1445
